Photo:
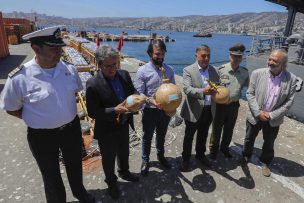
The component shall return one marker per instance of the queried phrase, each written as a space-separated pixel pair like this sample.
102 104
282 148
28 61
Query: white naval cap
49 36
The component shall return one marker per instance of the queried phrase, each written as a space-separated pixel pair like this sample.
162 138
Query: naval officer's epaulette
16 70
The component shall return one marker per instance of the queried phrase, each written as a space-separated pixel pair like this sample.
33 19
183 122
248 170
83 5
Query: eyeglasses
109 66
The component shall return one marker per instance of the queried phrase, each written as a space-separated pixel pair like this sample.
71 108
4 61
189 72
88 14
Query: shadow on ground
161 185
223 165
281 166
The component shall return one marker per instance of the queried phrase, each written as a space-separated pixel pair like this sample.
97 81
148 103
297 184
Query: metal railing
265 45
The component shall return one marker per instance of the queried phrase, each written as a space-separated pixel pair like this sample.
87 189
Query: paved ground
226 181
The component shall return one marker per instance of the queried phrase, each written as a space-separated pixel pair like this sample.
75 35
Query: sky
137 8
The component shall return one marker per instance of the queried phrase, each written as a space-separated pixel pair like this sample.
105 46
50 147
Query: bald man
267 106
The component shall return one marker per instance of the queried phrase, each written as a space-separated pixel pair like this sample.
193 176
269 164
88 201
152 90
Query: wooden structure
76 45
131 38
4 51
88 54
15 28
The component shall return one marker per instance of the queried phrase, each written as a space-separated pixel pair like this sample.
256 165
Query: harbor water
180 53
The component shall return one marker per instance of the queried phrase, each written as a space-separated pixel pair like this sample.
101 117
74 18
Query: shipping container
16 21
17 30
4 51
16 27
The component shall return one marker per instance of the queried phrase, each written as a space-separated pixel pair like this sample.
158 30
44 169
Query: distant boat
244 33
144 29
203 34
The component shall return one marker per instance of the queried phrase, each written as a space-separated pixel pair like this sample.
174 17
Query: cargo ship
292 43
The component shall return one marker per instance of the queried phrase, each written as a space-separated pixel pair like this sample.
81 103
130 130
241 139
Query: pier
225 181
132 38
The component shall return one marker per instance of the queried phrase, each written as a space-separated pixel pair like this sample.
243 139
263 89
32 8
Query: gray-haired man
105 96
270 94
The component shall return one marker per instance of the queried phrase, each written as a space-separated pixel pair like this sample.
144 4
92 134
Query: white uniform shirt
47 101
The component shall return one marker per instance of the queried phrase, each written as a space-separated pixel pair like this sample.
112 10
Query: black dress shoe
88 198
163 161
227 154
128 176
204 160
145 168
213 155
185 166
114 191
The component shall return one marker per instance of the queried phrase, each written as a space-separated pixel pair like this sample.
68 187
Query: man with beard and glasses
42 93
270 94
148 80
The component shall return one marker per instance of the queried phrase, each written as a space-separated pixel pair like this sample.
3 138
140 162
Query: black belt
152 109
58 128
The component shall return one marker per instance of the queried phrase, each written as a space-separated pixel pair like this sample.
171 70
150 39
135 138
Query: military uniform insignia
225 77
57 34
221 67
16 70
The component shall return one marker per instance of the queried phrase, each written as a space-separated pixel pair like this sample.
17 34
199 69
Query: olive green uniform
226 114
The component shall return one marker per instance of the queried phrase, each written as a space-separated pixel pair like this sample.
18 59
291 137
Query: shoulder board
221 67
16 70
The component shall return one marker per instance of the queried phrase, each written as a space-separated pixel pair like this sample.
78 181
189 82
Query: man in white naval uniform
42 93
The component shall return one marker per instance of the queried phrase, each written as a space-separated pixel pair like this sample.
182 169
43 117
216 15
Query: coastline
226 181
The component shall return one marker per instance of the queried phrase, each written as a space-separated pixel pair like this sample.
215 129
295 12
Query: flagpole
119 47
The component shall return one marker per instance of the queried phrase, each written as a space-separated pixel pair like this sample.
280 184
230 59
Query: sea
180 53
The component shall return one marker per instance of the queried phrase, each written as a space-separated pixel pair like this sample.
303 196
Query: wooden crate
13 39
4 51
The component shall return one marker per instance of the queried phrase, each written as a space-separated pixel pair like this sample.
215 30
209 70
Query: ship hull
297 110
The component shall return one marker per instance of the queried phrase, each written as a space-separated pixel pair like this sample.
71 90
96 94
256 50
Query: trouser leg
108 147
217 126
71 147
123 150
202 131
251 133
161 131
149 124
188 138
45 149
229 124
269 136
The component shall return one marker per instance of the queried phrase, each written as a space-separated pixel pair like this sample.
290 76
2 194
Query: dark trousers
269 136
154 119
202 127
224 120
115 144
45 145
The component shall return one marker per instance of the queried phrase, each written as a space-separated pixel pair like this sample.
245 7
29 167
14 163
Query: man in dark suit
196 109
105 96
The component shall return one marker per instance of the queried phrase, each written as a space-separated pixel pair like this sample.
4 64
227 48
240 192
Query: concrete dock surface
226 181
